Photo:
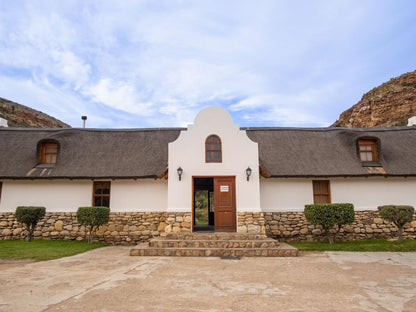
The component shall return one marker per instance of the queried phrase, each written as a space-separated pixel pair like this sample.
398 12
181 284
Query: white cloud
301 107
119 95
254 102
285 117
44 97
71 68
157 63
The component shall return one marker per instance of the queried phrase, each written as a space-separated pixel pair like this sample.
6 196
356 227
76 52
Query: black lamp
180 171
248 173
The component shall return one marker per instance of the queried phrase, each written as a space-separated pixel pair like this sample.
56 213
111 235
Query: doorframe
193 198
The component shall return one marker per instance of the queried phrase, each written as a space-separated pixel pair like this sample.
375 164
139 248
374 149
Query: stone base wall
292 226
130 228
127 228
251 222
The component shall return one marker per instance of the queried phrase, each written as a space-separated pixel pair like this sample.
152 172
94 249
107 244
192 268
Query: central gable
213 146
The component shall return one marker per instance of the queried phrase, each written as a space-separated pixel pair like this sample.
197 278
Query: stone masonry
292 226
130 228
251 223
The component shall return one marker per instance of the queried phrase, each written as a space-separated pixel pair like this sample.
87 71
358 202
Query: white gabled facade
238 153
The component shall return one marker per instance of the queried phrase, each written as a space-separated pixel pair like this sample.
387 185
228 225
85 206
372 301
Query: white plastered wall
286 194
369 193
139 196
238 153
55 196
66 196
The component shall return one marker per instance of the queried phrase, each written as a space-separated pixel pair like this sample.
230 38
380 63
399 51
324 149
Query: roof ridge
94 129
318 129
322 129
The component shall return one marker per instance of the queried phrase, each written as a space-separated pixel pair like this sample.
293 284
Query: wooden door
224 204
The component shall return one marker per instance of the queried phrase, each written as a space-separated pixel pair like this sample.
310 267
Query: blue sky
140 64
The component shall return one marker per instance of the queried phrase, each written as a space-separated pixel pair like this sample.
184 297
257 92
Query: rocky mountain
19 115
389 104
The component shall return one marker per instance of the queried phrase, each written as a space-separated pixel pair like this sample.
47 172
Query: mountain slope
389 104
19 115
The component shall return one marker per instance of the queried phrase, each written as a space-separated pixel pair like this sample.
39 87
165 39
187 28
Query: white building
241 171
3 123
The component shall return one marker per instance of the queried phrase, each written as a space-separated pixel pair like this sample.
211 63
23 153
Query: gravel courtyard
108 279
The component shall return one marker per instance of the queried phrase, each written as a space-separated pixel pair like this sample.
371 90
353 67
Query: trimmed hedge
330 215
29 216
92 218
399 215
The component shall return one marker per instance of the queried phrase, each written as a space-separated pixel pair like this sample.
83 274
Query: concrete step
283 250
215 236
193 243
214 244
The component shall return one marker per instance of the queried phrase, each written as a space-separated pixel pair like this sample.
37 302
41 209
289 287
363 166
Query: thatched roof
143 153
330 152
86 153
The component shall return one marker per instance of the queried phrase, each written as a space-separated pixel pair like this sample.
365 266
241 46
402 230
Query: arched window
213 151
48 152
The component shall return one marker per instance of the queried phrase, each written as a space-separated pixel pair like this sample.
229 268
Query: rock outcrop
19 115
390 104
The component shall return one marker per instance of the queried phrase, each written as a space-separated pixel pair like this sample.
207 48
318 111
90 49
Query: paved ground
107 279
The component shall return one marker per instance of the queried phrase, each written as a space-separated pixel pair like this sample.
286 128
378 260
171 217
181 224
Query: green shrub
399 215
29 216
330 215
92 218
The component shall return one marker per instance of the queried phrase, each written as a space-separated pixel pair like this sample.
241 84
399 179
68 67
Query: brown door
224 204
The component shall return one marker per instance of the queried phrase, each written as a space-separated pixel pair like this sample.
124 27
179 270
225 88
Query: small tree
29 217
92 218
399 215
330 215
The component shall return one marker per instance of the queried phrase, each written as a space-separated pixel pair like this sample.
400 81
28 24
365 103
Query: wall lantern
180 171
248 173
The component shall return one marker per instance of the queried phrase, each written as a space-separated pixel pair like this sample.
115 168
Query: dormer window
213 152
368 150
48 152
